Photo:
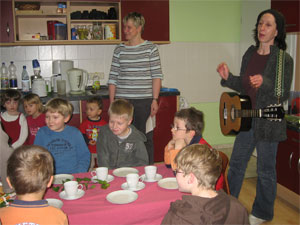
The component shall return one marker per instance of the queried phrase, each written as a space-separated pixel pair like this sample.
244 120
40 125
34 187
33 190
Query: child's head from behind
33 105
10 100
94 108
204 163
58 112
120 116
29 169
187 120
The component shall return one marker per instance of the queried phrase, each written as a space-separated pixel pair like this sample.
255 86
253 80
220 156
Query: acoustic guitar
236 113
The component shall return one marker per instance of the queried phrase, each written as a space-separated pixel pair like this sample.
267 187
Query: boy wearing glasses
198 168
186 130
119 143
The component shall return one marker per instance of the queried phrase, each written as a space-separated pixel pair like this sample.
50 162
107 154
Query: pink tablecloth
152 204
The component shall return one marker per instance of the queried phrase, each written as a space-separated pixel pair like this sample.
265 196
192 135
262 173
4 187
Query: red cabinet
288 162
164 118
156 14
6 22
291 11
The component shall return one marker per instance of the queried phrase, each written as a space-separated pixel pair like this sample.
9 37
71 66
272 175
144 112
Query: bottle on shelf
13 82
4 77
25 80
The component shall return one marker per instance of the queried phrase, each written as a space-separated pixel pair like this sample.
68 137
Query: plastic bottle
4 77
36 67
13 82
25 80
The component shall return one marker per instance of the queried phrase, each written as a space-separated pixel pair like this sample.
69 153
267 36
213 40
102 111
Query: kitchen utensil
39 87
78 80
61 67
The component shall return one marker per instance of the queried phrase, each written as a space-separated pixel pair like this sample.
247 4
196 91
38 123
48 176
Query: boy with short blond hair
91 126
198 169
119 143
30 173
65 143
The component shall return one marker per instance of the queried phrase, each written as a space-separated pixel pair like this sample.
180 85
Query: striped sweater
133 68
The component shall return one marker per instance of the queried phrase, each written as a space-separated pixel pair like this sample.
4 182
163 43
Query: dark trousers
142 110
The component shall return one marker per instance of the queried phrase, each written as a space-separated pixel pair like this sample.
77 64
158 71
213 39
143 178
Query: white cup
101 173
132 180
61 87
150 172
72 187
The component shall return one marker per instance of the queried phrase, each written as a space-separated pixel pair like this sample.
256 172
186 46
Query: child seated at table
198 168
34 109
30 172
119 143
186 130
91 126
14 122
65 143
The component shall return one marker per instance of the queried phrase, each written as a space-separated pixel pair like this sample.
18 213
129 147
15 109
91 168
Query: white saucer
79 194
123 171
139 187
108 179
168 183
55 202
59 178
157 178
121 197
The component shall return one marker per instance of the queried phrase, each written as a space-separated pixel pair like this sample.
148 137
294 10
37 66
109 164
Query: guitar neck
254 113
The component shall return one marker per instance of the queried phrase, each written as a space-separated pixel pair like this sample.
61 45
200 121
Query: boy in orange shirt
30 172
186 130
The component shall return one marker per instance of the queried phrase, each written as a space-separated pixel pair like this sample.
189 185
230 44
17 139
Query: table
152 204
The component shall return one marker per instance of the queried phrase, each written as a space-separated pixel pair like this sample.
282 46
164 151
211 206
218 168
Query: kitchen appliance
60 67
39 87
78 80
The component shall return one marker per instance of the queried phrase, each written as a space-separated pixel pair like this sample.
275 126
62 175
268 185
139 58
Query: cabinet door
156 14
6 22
291 11
288 162
164 118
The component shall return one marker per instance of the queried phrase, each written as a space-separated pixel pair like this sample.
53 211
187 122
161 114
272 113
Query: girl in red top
14 123
34 109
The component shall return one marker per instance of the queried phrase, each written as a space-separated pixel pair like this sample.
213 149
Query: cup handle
93 173
80 186
142 178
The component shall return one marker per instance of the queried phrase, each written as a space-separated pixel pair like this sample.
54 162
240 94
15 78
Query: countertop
103 92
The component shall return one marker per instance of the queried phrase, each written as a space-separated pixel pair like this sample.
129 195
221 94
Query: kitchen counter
103 92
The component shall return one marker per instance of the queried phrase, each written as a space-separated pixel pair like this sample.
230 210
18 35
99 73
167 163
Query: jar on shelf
97 31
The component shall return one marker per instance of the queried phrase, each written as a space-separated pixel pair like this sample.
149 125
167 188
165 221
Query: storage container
60 31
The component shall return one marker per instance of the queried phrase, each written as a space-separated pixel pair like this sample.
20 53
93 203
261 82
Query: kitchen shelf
35 21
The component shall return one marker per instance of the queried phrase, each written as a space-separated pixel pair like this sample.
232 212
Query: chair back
225 161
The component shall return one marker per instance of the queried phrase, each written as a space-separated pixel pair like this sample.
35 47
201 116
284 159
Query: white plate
121 197
123 171
55 202
59 178
157 178
139 187
79 194
168 183
108 179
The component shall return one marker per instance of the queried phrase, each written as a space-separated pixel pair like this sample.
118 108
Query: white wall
190 67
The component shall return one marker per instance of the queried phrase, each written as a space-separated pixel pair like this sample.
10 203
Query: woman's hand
256 80
154 107
223 70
